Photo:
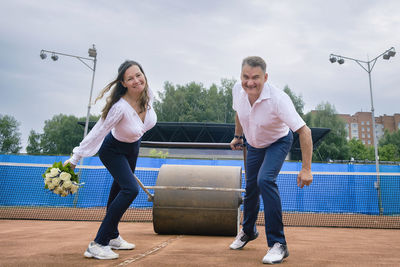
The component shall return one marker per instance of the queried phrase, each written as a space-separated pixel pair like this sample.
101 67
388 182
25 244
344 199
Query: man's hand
237 144
72 165
304 178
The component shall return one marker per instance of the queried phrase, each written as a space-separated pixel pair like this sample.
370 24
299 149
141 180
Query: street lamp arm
68 55
392 48
349 58
362 66
362 61
92 69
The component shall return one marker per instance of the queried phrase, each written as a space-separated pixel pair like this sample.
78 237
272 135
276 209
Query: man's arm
305 176
236 142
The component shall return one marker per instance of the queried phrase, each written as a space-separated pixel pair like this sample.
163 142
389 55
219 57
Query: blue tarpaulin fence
337 188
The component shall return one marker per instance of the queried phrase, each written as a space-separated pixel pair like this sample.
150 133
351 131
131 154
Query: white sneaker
120 243
276 254
100 252
242 239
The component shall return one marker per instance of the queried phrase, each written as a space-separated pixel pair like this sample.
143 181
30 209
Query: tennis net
335 199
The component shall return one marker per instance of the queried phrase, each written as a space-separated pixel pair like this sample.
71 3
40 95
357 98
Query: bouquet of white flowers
61 180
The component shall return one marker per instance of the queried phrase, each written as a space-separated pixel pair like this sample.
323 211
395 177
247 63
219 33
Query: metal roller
199 200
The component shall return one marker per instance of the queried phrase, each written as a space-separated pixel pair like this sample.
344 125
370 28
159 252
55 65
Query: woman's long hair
118 90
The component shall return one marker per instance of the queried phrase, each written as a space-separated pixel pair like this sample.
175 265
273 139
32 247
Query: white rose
58 190
51 186
47 181
67 184
54 172
73 188
65 176
64 193
56 181
48 175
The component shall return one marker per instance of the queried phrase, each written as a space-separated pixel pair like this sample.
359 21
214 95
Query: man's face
253 79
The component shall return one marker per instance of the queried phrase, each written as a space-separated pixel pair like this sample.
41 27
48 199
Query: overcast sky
203 41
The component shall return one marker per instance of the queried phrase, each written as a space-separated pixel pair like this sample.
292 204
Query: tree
194 103
359 151
62 133
297 100
226 100
33 146
334 145
10 137
391 138
389 152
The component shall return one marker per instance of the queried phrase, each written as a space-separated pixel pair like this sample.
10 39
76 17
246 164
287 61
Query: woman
128 114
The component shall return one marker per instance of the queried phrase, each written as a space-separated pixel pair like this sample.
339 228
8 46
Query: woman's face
134 80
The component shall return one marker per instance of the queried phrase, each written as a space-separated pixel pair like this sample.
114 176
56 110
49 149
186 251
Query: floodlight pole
92 57
90 97
369 70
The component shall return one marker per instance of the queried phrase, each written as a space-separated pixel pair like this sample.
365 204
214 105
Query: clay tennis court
62 243
335 222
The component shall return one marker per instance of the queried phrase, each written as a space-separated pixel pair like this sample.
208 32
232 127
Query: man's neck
253 99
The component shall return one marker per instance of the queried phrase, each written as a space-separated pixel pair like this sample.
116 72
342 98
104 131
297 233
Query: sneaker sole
119 248
87 254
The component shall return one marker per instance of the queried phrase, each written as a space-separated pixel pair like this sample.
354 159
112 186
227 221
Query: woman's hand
72 165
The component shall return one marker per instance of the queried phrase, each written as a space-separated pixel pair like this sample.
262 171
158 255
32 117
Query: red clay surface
62 243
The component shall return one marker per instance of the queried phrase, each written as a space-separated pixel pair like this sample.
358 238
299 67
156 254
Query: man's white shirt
270 117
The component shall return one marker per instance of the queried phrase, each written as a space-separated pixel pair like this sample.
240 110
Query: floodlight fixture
340 61
392 52
92 52
332 59
43 55
54 57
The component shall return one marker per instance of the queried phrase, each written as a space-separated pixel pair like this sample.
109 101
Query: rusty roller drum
197 212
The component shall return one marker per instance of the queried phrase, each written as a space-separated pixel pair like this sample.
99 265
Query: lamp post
92 57
368 66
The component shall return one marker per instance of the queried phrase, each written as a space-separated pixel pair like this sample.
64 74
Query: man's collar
265 93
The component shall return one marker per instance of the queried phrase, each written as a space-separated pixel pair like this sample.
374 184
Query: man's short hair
255 61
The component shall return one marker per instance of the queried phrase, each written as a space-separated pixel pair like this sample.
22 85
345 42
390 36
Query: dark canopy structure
212 133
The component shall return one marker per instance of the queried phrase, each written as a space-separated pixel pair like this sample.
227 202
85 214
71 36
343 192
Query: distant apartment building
359 126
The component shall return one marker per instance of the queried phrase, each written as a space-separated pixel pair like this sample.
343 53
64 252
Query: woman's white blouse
123 122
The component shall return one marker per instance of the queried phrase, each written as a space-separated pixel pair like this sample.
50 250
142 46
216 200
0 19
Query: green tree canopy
194 103
388 152
390 139
334 144
297 100
359 151
33 146
10 137
60 135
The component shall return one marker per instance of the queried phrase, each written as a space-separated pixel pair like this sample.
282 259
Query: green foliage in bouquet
67 168
61 180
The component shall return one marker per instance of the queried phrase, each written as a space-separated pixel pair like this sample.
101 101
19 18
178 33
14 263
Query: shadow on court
62 243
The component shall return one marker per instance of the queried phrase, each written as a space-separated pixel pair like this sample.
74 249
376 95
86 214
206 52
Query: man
268 118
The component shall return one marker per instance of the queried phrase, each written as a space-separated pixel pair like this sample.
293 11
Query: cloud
202 41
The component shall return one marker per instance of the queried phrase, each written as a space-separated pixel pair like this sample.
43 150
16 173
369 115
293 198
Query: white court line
94 167
149 252
157 169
